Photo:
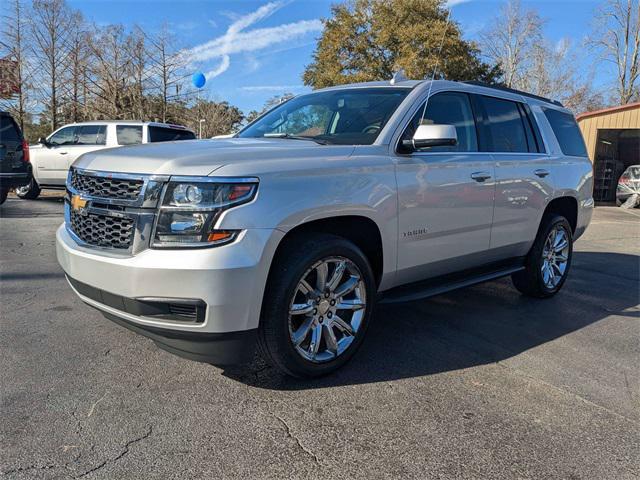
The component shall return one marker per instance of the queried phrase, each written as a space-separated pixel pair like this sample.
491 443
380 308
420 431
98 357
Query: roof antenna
435 67
399 76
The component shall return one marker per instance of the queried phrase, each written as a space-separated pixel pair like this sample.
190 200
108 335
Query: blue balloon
198 79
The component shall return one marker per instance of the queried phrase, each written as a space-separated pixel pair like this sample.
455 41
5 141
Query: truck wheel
3 195
317 305
549 260
29 191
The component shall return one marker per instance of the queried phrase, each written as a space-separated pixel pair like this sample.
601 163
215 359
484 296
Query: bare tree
220 118
556 73
50 31
78 59
110 72
167 64
617 38
139 57
510 39
14 43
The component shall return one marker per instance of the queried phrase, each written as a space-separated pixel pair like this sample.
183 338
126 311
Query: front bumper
229 280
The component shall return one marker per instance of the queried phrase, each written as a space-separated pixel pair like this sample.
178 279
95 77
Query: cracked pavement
479 383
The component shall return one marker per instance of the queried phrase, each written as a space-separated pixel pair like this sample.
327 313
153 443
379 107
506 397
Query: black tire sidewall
4 192
536 257
295 259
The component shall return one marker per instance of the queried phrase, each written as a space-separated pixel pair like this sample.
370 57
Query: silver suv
286 235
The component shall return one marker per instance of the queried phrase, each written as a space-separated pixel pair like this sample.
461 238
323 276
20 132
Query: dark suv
15 169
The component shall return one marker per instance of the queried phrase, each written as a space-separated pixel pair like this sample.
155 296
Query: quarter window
129 134
8 130
505 125
163 134
567 132
451 108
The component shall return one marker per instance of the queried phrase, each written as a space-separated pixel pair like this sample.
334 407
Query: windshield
345 117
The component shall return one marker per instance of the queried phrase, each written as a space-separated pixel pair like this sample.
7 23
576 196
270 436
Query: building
612 136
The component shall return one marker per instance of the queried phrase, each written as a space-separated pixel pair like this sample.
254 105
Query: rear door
445 195
524 180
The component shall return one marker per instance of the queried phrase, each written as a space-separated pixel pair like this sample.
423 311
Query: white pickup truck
51 157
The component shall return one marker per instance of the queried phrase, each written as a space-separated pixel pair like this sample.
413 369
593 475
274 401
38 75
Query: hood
203 157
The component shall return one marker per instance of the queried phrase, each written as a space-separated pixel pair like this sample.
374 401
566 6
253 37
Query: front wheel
4 192
317 305
548 262
30 191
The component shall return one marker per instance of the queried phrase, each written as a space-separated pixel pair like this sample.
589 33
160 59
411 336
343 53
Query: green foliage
367 40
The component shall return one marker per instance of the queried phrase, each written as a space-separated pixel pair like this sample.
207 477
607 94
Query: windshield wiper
295 137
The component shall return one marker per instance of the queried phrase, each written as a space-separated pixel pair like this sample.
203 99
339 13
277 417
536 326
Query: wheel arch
567 206
360 230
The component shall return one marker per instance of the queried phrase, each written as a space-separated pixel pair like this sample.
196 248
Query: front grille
106 187
102 230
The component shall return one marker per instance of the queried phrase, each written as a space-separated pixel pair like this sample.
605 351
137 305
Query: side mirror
432 136
43 141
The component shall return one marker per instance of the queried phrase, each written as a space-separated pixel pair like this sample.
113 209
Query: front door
445 196
50 160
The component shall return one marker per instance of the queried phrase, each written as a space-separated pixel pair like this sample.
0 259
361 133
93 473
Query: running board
436 286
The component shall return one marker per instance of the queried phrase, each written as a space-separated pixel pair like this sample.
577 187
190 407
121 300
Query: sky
252 50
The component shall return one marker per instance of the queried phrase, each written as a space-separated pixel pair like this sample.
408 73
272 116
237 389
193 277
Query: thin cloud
237 39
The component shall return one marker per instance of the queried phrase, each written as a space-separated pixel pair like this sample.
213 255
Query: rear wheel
3 195
317 305
548 262
29 191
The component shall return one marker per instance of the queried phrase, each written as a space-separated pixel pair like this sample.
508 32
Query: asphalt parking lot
479 383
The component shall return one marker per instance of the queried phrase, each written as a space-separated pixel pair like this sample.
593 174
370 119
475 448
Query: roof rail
513 90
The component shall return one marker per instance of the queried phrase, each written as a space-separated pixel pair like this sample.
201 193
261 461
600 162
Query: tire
536 280
3 195
302 258
29 191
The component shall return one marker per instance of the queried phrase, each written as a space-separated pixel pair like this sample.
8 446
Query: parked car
52 156
286 235
629 186
15 169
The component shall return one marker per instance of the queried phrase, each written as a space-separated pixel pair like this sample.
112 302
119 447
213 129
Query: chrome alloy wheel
23 190
327 309
555 256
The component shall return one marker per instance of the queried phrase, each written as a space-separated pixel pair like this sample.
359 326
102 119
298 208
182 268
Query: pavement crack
95 404
124 452
567 392
297 440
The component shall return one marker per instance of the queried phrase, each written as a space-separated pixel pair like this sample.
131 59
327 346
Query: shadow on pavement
474 326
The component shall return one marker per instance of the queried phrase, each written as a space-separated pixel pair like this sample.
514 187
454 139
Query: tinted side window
65 136
91 135
163 134
129 134
8 130
449 108
566 130
505 125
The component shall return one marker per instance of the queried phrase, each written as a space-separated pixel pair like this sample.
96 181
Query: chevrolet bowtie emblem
77 202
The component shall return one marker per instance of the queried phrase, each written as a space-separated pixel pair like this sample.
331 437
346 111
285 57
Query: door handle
481 176
541 172
63 153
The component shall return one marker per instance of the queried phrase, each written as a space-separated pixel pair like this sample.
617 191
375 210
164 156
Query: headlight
191 206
